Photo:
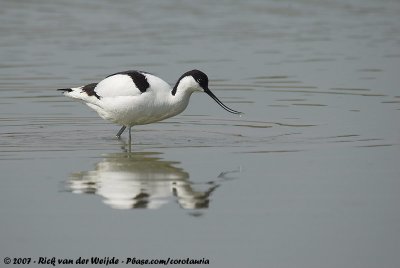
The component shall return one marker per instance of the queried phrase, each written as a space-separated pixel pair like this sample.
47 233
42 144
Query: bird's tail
65 89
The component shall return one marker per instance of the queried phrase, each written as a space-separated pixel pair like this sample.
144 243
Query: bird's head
196 80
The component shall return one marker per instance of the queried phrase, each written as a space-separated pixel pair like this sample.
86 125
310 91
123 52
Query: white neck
180 95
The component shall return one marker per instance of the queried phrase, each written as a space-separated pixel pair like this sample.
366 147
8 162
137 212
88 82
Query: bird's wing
128 83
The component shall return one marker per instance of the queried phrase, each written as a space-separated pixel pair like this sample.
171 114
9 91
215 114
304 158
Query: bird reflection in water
142 180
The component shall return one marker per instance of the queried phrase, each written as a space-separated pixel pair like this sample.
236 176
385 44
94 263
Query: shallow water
307 177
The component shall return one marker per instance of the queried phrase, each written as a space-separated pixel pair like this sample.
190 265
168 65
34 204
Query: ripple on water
54 124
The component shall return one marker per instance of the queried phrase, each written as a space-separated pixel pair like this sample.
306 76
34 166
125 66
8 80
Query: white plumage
136 98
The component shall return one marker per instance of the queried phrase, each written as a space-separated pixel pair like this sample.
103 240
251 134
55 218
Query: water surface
307 177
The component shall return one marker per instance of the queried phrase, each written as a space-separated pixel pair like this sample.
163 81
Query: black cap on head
202 79
197 75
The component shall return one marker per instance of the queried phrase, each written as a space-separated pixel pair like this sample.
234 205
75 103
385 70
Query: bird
133 97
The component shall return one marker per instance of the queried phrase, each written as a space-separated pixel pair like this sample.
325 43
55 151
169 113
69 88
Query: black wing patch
89 89
138 78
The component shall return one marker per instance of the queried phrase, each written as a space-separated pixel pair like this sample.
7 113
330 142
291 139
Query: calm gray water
308 177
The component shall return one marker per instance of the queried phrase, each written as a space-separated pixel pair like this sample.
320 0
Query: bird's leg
130 139
120 132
